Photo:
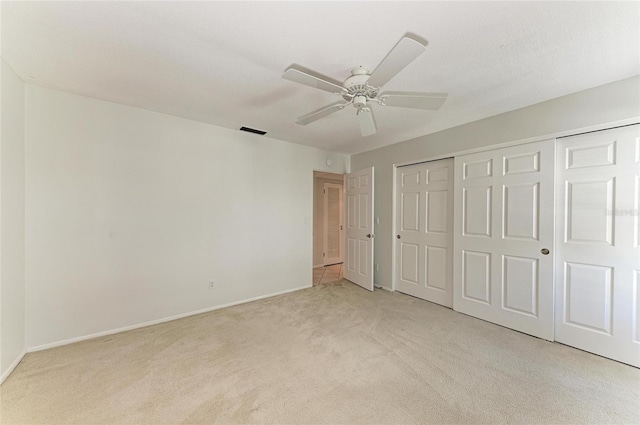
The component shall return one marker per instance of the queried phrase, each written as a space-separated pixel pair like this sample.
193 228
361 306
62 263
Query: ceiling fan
363 87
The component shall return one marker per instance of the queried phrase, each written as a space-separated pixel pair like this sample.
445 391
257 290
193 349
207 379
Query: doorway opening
328 227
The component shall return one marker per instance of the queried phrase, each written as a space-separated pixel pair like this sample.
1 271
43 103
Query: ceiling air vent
253 130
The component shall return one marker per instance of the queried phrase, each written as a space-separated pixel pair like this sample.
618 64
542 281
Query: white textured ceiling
221 62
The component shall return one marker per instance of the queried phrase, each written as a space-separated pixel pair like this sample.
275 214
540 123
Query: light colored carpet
328 354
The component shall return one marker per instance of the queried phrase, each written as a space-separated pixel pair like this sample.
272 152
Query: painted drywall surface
604 104
318 217
130 214
12 227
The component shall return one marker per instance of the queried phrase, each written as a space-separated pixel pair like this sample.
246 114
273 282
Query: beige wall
130 213
12 250
318 213
605 104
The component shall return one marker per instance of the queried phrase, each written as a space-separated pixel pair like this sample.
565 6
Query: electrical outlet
212 284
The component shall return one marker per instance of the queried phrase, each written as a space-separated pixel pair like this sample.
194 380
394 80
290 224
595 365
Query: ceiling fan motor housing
356 85
355 80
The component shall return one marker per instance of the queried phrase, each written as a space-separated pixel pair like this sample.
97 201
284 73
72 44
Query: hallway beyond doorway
327 274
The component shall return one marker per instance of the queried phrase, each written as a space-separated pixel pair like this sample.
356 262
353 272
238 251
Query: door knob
544 251
369 235
398 236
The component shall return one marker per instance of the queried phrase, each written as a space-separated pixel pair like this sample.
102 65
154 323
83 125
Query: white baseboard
157 321
384 288
13 365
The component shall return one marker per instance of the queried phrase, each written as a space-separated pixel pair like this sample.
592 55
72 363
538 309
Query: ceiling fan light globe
359 102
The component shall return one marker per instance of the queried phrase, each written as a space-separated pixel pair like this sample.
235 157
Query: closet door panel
424 240
503 237
597 254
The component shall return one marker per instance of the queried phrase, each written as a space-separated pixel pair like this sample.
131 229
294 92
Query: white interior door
597 254
333 240
504 212
424 238
358 266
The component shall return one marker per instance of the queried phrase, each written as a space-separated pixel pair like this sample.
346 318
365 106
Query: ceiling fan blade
321 113
396 60
310 78
415 100
367 123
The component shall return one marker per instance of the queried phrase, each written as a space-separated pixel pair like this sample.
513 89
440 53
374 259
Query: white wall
130 213
605 104
12 227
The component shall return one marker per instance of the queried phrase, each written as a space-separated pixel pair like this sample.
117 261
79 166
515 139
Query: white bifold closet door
503 237
598 254
424 238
